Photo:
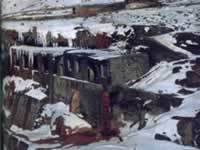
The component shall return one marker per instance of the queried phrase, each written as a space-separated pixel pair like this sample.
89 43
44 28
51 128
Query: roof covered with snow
97 54
36 93
168 41
55 51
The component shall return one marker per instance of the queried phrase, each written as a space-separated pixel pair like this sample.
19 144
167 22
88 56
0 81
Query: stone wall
24 111
127 68
90 95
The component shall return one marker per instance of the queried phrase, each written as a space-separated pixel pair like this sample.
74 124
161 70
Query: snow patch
71 120
37 93
43 132
20 84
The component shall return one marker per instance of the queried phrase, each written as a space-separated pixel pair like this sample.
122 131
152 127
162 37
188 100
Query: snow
122 30
27 85
74 79
43 132
61 110
183 18
6 112
179 2
145 143
140 47
55 51
161 79
98 54
93 2
146 29
190 42
36 94
20 84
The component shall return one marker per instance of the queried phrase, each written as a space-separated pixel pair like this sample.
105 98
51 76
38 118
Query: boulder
185 130
162 137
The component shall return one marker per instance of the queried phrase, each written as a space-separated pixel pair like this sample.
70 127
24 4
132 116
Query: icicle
30 56
10 54
70 42
20 36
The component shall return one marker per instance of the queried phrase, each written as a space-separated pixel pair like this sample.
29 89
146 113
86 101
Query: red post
105 113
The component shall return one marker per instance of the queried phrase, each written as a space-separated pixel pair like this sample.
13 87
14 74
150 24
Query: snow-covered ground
70 119
180 18
29 86
181 15
20 84
168 41
161 79
53 111
13 6
132 139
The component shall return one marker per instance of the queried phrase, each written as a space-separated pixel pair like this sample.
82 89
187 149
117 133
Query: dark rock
176 101
176 69
162 137
181 82
188 129
193 79
185 130
185 92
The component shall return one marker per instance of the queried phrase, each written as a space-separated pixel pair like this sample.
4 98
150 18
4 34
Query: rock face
189 130
192 79
134 104
188 41
20 115
196 130
185 131
24 111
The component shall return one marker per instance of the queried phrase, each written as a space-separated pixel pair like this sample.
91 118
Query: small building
98 66
64 69
93 65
